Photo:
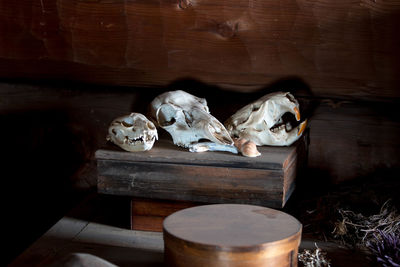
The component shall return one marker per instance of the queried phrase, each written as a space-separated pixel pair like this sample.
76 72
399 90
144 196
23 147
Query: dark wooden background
340 48
68 67
341 55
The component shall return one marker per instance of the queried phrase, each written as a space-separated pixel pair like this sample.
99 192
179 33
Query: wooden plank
147 223
341 48
117 245
162 208
274 158
191 183
149 214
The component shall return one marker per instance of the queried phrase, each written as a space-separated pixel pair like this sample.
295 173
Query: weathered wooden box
172 173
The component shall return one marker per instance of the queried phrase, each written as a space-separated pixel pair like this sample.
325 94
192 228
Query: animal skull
271 120
133 132
188 120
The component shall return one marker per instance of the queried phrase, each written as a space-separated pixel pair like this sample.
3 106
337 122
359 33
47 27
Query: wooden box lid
231 235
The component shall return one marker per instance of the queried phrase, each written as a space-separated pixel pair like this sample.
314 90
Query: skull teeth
140 140
133 141
278 128
150 138
288 127
287 122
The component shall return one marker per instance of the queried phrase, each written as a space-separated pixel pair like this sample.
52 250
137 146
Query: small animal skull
271 120
133 132
188 120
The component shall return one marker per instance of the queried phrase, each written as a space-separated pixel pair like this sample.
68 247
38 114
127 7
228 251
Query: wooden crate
172 173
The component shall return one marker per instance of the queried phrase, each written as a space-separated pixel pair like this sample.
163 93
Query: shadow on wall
349 137
224 103
41 150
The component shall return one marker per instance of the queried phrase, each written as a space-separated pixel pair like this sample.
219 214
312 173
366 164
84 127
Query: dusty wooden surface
172 173
116 245
164 151
341 48
231 227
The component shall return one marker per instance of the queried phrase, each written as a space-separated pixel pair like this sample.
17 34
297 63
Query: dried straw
357 230
316 258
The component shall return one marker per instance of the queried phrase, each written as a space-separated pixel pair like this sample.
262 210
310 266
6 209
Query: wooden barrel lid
231 226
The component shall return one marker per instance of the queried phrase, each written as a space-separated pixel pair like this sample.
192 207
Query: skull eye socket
291 98
166 115
118 136
127 122
255 108
151 126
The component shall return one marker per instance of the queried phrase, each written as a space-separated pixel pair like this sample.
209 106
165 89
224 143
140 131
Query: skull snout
212 129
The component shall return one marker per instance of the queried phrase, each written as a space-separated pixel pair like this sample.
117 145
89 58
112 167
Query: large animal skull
187 119
272 120
133 132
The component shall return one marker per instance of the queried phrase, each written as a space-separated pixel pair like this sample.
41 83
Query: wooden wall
348 139
345 53
340 48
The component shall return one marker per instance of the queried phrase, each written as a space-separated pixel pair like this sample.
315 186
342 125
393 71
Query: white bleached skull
133 132
188 120
271 120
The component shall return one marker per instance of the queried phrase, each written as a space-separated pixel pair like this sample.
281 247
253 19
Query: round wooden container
231 235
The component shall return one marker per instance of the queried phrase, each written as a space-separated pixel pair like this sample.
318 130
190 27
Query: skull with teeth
133 132
188 120
272 120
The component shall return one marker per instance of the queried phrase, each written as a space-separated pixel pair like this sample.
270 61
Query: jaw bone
210 146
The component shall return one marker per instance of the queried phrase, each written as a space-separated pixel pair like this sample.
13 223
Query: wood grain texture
162 208
149 214
350 140
191 183
341 48
274 158
167 172
147 223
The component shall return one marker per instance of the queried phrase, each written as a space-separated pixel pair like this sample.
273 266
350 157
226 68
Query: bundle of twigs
357 229
316 258
379 234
